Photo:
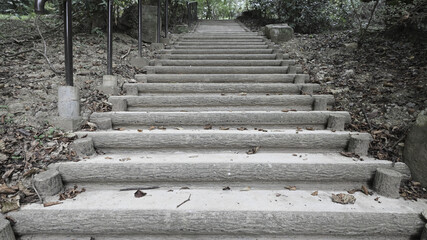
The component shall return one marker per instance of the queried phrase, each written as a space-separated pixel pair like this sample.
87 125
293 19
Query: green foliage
219 9
17 8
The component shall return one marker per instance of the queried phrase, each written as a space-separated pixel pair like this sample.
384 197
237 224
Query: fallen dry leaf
161 128
139 194
253 150
71 193
48 204
278 194
152 128
291 188
108 158
124 159
365 190
4 189
120 129
315 193
140 130
242 129
343 198
10 204
245 189
285 110
184 188
224 128
208 126
309 128
226 188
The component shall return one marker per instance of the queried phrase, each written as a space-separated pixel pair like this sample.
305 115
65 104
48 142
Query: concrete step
191 102
199 43
221 46
222 78
216 70
166 62
207 170
194 120
222 56
285 140
230 40
276 213
218 51
215 88
221 37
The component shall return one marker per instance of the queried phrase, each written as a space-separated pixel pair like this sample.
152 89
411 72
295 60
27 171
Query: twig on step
366 118
187 200
139 188
35 190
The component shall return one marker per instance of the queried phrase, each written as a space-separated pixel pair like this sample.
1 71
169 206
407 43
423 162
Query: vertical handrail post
68 36
188 14
166 18
158 21
110 38
140 28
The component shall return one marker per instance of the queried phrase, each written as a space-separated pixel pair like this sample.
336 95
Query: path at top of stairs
224 107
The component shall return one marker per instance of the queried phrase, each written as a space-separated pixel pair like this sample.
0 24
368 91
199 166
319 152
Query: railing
68 31
191 12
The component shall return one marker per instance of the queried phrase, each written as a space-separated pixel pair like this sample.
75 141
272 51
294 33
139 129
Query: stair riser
202 88
222 78
221 56
223 38
324 142
326 176
198 43
319 119
216 70
282 101
220 51
225 62
259 40
214 222
222 47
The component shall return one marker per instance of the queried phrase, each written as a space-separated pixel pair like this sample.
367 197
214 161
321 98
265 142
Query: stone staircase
240 146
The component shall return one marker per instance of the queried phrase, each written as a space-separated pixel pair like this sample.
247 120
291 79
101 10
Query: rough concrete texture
235 212
415 151
119 104
102 123
240 56
149 28
48 183
6 232
359 144
387 182
68 102
83 146
279 32
109 85
267 120
337 122
321 140
131 89
139 62
216 70
311 171
68 124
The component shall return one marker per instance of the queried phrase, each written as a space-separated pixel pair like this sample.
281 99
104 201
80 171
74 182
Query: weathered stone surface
48 183
387 182
279 32
68 102
6 232
149 26
157 46
415 152
83 146
139 62
109 85
68 124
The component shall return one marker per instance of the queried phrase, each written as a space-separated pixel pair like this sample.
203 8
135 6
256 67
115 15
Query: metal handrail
191 12
39 8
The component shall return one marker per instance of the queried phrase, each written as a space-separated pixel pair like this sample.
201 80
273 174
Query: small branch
188 199
139 188
44 53
366 118
122 57
35 190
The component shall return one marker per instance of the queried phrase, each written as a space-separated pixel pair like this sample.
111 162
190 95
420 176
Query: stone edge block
336 122
6 232
103 123
131 89
68 124
359 144
387 182
83 146
109 85
48 183
142 78
320 104
119 104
